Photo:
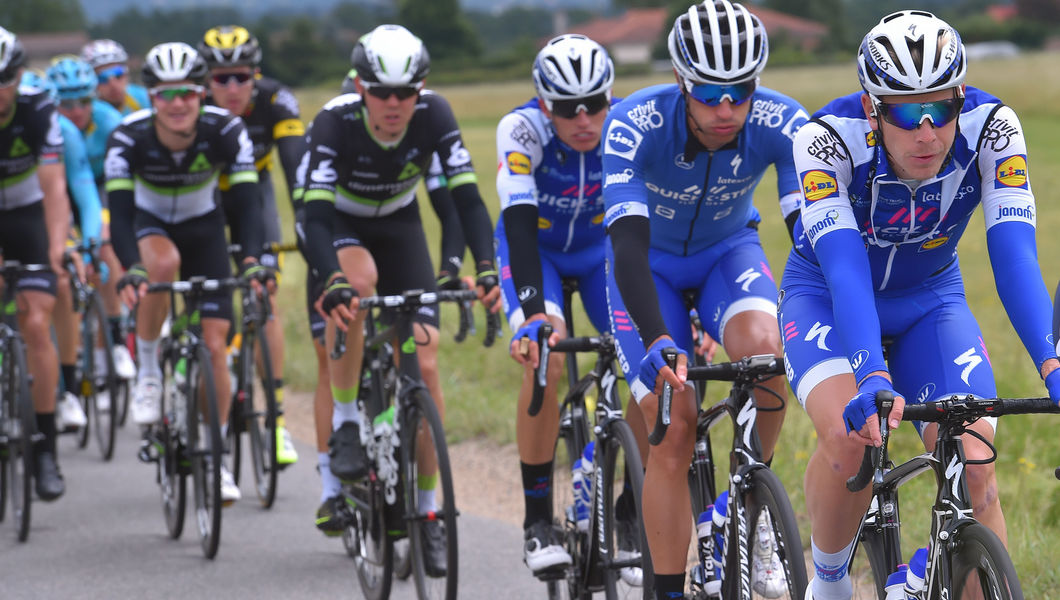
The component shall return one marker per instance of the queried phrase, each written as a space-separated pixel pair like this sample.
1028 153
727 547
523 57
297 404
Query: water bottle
895 586
720 520
914 578
582 479
707 575
180 371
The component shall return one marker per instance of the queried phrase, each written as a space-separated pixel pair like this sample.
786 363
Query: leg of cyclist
124 365
69 414
215 335
34 321
162 261
982 479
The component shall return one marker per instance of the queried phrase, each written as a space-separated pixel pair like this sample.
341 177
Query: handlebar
872 461
269 247
600 343
662 413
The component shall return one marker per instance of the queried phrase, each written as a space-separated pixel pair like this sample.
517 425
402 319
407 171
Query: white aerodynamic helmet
718 42
391 55
572 66
104 52
173 62
911 52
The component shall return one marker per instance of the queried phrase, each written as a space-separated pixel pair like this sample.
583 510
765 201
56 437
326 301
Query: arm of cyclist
56 211
291 148
452 244
654 371
81 183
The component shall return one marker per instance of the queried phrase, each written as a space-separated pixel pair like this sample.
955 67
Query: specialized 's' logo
518 163
1011 172
818 185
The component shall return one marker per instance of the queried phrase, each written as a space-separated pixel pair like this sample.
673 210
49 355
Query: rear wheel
205 452
21 425
980 567
259 414
573 430
430 506
99 381
620 473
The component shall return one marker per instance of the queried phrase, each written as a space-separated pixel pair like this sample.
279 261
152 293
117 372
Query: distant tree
830 13
139 31
1043 11
26 16
361 17
304 56
442 27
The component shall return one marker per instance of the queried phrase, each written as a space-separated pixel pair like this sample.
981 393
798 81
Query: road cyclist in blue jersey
549 181
111 64
34 220
681 163
891 176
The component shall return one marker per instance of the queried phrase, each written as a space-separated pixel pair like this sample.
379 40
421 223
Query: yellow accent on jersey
287 128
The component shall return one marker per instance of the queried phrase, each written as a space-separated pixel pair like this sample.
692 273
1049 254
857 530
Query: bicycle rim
425 450
105 385
206 452
260 413
366 540
173 462
624 557
981 567
22 423
767 496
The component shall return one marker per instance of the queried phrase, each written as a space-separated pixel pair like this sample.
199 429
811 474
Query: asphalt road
106 538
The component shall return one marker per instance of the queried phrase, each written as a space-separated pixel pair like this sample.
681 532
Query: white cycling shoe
767 574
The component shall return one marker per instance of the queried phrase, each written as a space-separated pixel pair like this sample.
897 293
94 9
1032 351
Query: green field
481 384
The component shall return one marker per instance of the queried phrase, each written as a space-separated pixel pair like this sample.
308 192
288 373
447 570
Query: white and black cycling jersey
30 138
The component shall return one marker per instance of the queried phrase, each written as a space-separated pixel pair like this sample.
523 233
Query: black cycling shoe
435 562
349 462
49 480
328 519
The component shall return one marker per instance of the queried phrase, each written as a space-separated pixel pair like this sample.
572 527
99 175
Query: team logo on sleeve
622 140
818 185
518 163
1011 172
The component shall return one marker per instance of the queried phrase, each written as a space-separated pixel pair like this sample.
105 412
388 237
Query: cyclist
86 122
110 62
35 217
270 112
891 176
372 149
162 168
549 180
681 163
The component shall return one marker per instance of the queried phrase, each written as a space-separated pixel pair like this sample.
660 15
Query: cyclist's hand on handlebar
448 281
654 370
525 346
1052 381
133 285
487 285
339 300
707 346
259 276
861 417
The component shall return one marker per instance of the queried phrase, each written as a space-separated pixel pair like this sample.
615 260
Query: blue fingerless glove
863 405
530 330
653 362
1052 383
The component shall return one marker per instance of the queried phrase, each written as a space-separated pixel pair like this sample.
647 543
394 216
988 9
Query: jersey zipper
699 203
581 197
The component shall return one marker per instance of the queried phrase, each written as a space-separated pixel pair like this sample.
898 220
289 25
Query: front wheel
100 381
259 413
620 474
430 507
980 567
778 567
21 425
367 540
173 459
205 451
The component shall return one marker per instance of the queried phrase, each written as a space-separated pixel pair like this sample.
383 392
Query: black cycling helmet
230 46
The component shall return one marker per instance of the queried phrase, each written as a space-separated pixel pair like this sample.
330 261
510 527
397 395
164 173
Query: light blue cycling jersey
136 98
872 234
695 198
105 118
80 183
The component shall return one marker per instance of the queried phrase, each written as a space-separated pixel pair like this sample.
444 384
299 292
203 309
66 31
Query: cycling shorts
726 279
203 250
934 345
24 237
585 265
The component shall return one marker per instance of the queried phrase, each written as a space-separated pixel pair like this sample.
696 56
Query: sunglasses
910 115
713 94
225 78
171 93
72 103
8 78
116 72
569 109
383 92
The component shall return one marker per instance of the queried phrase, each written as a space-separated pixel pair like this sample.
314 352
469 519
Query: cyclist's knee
982 485
842 454
163 266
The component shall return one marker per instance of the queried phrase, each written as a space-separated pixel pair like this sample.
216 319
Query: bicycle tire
105 419
766 492
979 559
367 542
422 420
570 442
22 421
402 559
173 463
870 584
129 339
621 468
260 421
205 453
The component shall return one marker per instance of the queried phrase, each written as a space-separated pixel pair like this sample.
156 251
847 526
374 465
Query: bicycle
402 433
963 552
18 424
96 372
186 442
753 488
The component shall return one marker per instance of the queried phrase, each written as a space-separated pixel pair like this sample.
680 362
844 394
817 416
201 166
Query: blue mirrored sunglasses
112 73
910 115
713 94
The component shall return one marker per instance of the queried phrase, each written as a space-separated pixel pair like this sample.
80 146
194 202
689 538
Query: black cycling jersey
174 187
31 137
349 170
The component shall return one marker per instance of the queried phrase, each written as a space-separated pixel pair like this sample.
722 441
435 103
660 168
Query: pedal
150 451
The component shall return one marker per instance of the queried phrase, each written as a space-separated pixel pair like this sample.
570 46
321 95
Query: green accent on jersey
408 346
18 148
179 190
461 179
324 195
119 184
367 201
14 179
243 177
199 164
410 170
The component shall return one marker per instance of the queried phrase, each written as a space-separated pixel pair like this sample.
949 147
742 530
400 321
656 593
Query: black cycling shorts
24 237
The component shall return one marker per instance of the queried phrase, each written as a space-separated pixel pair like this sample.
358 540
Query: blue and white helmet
72 77
572 66
911 52
104 52
34 79
12 56
718 42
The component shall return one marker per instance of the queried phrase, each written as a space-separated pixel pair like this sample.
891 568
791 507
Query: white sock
330 485
426 500
344 411
832 582
147 355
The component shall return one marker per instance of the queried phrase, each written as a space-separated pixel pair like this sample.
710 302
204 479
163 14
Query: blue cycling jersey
105 118
136 98
80 183
694 197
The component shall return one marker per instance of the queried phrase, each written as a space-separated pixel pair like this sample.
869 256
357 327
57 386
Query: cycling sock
345 406
147 357
329 484
536 498
277 386
46 427
425 485
832 582
668 587
69 373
